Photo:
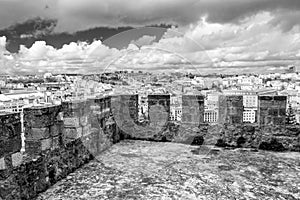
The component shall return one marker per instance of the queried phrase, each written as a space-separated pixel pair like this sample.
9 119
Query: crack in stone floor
150 170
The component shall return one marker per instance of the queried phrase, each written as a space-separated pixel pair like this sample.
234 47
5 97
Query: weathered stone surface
46 144
253 136
192 109
17 159
2 164
91 143
72 122
37 133
33 147
67 148
72 133
124 110
56 142
86 130
76 108
148 170
83 120
10 126
31 177
10 134
36 174
9 189
230 109
271 110
56 129
5 167
39 117
11 145
52 149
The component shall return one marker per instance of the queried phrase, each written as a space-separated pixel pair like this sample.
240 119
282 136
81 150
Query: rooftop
149 170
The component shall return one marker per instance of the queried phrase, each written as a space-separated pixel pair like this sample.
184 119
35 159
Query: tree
290 116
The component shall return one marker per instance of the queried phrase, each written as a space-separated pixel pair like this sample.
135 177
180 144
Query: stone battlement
60 139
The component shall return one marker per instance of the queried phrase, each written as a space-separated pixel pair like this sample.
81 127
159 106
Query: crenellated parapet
10 133
42 128
192 109
192 120
125 112
272 110
60 139
230 109
10 156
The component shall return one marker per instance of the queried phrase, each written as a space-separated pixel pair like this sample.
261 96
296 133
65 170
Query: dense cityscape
18 92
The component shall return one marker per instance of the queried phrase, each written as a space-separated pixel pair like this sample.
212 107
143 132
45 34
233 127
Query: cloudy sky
88 36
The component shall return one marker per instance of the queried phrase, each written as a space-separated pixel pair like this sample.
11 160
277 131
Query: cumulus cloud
144 40
6 59
73 57
253 44
256 39
2 43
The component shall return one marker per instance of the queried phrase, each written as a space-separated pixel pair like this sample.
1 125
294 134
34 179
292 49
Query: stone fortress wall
60 139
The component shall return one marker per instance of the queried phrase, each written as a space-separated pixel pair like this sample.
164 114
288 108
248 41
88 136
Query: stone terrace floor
149 170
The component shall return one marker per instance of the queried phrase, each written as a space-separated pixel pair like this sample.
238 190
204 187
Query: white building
2 83
142 107
211 116
176 108
250 101
175 113
211 101
249 116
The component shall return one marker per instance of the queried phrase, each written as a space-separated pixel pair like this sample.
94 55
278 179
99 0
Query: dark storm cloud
287 20
234 10
35 29
83 14
14 11
132 12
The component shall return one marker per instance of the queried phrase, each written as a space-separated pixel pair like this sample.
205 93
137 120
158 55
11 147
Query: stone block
86 130
9 189
10 146
83 120
72 133
17 159
56 129
33 147
10 126
91 143
5 167
2 164
56 142
39 117
73 109
46 144
60 116
230 109
71 122
37 133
